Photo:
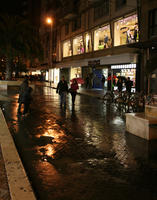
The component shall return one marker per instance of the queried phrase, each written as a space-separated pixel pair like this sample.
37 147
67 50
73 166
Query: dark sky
10 6
17 7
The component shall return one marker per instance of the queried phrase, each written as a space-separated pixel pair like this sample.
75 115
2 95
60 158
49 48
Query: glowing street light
49 20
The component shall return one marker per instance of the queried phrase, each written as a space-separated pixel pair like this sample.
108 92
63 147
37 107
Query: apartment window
153 22
101 10
66 29
76 24
120 3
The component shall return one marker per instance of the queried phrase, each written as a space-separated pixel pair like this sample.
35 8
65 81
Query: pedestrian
103 81
120 85
87 81
73 90
109 82
128 85
27 99
62 89
22 89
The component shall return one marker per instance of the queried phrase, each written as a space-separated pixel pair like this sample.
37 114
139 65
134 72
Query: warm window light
49 20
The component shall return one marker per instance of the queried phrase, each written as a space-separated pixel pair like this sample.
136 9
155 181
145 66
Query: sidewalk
14 183
11 168
4 188
11 186
97 93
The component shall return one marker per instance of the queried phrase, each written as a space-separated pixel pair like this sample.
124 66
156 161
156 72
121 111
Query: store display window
126 31
102 38
67 51
88 42
125 71
75 72
78 46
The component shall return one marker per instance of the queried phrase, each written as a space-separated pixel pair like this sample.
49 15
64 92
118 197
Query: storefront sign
127 66
93 62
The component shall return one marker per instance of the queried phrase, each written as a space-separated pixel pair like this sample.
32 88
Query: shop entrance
124 71
97 78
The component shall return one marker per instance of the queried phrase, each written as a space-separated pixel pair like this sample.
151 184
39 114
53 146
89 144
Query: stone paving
4 189
82 154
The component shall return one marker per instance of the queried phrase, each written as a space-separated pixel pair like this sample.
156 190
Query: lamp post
49 21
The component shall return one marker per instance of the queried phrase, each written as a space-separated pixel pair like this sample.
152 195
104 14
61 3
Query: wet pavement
4 189
82 153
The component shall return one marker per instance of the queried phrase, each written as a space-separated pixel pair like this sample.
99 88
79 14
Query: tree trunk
8 69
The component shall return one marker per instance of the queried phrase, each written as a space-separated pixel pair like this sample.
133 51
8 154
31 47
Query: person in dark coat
103 81
22 89
128 85
27 99
120 85
62 89
87 81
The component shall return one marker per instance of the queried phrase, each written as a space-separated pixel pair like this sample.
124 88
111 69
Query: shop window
75 72
66 29
126 31
67 51
120 3
88 42
101 10
78 46
76 24
102 38
153 22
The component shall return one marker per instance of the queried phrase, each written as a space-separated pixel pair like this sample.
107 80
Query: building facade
93 38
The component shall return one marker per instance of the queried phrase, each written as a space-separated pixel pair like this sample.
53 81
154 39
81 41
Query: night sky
11 7
17 7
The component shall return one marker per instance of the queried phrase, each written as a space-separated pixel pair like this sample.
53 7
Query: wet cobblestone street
82 153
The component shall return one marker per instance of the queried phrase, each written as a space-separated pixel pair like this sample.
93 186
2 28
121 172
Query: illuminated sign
125 66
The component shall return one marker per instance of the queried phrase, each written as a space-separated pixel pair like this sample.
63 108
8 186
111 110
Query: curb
19 185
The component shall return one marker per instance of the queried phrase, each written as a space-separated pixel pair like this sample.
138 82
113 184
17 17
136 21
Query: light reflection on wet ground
82 154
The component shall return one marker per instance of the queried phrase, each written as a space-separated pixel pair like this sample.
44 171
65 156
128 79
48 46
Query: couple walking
62 89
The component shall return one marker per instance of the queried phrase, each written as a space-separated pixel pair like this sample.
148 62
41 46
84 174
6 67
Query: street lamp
49 21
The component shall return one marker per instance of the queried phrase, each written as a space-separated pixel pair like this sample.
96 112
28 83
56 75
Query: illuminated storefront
51 75
125 70
67 51
75 72
47 76
56 76
102 38
78 47
88 42
126 31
